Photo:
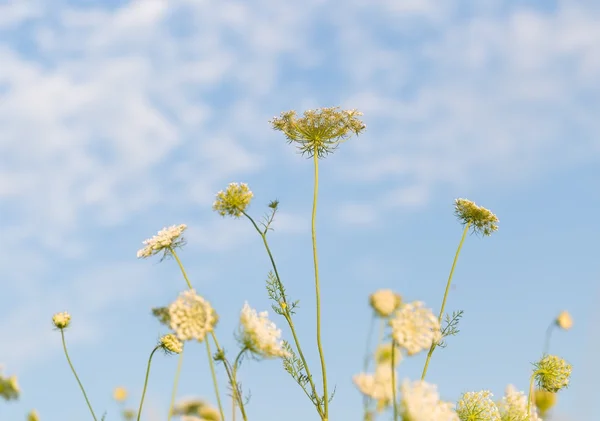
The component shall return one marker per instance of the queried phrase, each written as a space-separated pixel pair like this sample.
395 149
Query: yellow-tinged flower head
260 335
477 406
384 302
170 343
415 328
9 388
188 406
191 316
564 320
234 200
421 402
481 219
120 394
544 400
61 320
209 413
513 406
33 416
383 354
319 132
166 240
129 414
552 373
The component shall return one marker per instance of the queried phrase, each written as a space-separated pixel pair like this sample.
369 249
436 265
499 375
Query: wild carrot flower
383 354
384 302
33 416
260 335
481 219
421 402
234 200
188 406
513 406
166 240
120 394
477 406
377 386
170 343
61 320
191 316
552 373
208 413
415 328
564 320
319 132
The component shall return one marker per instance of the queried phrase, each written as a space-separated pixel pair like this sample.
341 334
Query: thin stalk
366 399
146 382
175 383
548 336
317 286
214 378
394 380
433 345
232 379
181 267
62 334
530 396
287 314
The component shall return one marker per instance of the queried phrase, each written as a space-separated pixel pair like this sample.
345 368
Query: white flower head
421 402
384 302
166 240
191 316
377 386
477 406
513 406
259 334
415 328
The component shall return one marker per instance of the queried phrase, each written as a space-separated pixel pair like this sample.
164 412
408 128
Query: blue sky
119 118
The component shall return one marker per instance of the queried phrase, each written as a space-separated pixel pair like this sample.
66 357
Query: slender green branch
287 314
232 379
433 345
175 384
394 380
214 377
317 287
530 395
146 381
181 267
62 334
548 336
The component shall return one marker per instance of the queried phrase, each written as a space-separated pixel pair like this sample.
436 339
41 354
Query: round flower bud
384 302
552 373
120 394
61 320
171 343
564 320
544 400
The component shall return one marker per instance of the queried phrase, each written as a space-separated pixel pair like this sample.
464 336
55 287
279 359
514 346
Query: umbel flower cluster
407 328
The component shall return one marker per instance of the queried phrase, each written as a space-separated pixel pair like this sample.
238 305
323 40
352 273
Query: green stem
175 383
232 379
394 380
287 314
366 399
433 345
214 377
146 382
317 287
62 334
530 396
181 267
548 336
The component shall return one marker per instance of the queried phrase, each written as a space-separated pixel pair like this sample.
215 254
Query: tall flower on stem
479 220
62 321
233 202
552 374
317 134
170 345
166 241
563 321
